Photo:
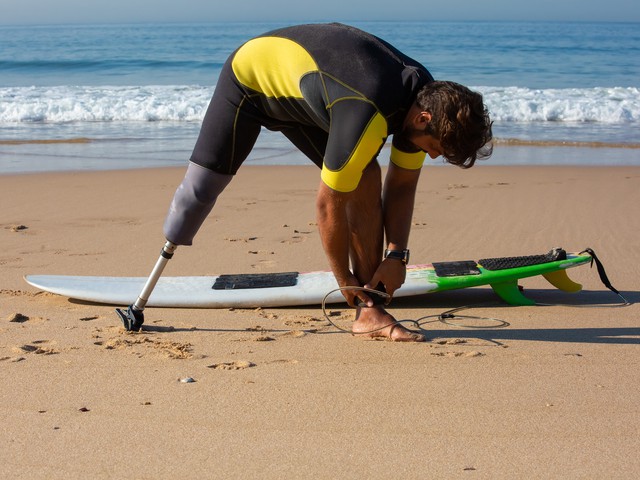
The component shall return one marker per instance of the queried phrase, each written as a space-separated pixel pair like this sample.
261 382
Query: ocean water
130 96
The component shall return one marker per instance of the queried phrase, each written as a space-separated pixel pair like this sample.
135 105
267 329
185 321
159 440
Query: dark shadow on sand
611 335
473 299
484 299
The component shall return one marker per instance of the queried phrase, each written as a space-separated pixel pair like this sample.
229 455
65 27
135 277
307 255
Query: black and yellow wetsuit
333 90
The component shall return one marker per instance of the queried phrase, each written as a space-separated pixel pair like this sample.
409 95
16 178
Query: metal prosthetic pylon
133 318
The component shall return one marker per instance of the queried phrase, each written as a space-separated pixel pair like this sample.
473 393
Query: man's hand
354 296
391 273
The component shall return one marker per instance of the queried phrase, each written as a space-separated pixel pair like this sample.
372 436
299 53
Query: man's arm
333 225
398 202
398 199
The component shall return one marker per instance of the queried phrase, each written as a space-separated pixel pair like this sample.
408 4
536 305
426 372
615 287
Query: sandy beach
279 392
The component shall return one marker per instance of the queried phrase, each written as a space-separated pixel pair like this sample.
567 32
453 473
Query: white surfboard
293 288
224 291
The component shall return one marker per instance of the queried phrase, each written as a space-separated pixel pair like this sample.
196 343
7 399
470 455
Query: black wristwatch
402 255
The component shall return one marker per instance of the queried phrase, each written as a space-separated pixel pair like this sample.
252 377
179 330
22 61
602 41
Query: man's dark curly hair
459 120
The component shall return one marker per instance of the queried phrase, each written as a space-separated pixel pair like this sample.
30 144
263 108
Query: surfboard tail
511 293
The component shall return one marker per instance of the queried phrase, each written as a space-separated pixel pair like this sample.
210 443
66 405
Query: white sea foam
103 104
67 104
600 105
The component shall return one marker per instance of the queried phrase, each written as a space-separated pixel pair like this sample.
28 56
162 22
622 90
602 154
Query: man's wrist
402 255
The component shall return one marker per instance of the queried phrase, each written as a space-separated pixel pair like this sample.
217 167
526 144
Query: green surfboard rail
505 282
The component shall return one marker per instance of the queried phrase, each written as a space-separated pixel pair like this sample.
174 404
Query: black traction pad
469 267
515 262
456 269
255 280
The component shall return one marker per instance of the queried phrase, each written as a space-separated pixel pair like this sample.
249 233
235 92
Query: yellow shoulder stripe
273 66
348 177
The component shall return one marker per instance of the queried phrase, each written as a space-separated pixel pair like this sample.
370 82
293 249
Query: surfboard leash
602 273
444 317
603 278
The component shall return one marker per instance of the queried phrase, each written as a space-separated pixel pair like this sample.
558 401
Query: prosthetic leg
192 203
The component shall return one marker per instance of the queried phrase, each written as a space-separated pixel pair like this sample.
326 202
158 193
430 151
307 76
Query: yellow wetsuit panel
347 178
273 66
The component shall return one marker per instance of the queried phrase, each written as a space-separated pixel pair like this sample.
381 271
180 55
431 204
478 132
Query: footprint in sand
91 222
261 252
264 264
449 341
293 240
243 240
294 334
308 324
9 260
53 251
457 354
18 293
17 318
299 236
140 345
282 362
264 338
237 365
21 318
256 328
36 348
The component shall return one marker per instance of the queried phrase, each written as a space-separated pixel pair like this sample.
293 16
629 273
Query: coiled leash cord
444 317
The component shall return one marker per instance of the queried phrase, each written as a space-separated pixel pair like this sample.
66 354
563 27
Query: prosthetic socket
192 203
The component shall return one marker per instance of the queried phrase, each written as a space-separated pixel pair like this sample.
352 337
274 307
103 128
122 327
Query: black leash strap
601 272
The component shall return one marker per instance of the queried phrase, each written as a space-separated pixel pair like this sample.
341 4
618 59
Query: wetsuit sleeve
357 133
410 161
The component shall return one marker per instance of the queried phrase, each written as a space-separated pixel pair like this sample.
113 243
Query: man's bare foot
375 322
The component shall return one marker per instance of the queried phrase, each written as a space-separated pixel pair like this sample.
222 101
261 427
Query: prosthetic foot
132 319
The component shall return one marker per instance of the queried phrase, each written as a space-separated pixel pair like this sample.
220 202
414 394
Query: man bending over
337 93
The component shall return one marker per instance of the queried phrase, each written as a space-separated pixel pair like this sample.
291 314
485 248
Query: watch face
402 255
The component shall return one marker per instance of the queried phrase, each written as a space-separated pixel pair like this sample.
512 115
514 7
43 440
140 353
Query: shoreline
82 154
304 166
506 142
517 142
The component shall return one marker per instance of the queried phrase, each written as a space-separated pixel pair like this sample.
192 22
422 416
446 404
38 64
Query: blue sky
15 12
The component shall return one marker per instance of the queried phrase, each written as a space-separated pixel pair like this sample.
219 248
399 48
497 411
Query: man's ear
422 119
